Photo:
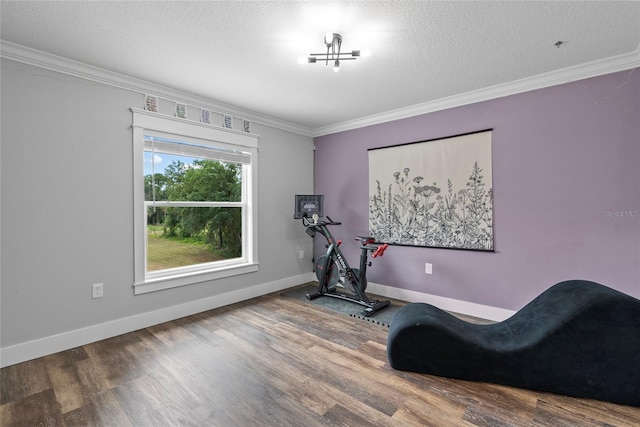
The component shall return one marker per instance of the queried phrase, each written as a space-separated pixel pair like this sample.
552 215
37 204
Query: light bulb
336 66
328 38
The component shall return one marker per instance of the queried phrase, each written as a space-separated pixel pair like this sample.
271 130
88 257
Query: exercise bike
333 270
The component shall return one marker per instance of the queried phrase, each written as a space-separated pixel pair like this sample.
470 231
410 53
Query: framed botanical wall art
227 121
205 116
181 110
246 126
151 103
436 193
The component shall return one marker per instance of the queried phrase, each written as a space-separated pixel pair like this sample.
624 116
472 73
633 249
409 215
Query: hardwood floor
270 361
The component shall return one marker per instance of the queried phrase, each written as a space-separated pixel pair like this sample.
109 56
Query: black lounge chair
577 338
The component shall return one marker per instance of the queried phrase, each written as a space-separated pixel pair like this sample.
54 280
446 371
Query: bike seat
365 240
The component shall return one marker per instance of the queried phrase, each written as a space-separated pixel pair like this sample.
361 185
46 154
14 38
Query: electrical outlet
97 290
301 254
428 268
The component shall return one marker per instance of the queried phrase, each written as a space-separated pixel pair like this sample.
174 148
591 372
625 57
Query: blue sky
161 161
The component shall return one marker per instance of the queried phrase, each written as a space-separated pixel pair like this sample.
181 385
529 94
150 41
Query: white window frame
158 125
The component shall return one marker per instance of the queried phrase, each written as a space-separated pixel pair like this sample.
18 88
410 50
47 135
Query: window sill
184 279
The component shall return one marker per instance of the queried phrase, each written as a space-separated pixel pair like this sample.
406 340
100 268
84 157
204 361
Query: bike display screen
306 205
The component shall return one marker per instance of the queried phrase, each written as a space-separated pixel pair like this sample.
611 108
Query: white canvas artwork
436 193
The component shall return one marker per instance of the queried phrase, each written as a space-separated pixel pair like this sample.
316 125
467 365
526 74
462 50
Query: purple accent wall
566 180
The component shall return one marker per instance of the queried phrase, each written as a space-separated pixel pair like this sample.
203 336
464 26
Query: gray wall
67 207
566 180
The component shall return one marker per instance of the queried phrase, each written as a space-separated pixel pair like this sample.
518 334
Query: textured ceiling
245 53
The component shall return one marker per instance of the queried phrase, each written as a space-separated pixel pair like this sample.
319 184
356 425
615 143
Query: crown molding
59 64
48 61
566 75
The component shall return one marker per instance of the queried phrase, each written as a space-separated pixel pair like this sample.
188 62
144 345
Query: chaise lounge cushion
577 338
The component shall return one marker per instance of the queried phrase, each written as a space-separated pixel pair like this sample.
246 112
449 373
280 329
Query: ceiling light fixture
333 42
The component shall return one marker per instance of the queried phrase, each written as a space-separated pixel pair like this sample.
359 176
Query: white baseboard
448 304
52 344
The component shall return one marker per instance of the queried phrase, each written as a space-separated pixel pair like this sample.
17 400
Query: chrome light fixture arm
333 43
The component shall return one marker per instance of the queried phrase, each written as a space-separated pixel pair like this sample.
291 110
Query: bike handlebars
308 223
378 249
331 222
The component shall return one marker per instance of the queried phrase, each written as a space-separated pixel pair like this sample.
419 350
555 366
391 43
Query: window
194 195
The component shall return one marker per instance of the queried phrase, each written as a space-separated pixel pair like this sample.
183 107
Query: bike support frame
352 281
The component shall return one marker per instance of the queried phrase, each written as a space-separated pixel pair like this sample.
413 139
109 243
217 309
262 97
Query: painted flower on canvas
409 212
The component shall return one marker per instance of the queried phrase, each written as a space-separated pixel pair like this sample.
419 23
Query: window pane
185 236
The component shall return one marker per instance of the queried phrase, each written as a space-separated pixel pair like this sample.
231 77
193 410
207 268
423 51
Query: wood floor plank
174 333
341 416
269 361
106 409
62 370
68 388
555 410
23 380
500 405
82 417
38 409
430 410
